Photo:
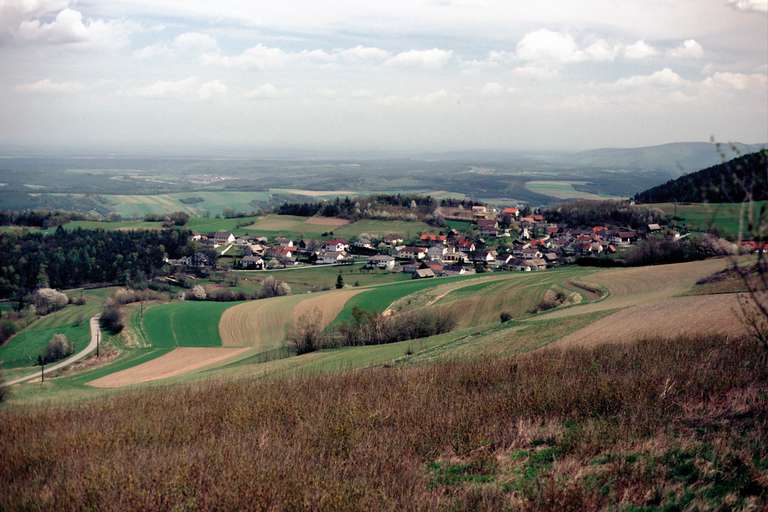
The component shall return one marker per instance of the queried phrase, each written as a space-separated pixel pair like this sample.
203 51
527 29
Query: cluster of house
529 243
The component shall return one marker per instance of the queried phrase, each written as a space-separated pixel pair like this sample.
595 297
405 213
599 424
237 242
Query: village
480 239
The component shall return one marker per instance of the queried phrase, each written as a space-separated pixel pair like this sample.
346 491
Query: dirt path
94 341
677 316
177 362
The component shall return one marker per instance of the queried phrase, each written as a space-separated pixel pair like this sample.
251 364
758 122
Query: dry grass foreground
263 324
675 425
176 362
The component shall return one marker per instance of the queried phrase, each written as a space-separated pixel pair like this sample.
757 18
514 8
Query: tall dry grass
678 423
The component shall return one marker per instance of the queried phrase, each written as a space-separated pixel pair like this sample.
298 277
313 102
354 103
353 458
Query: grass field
22 350
184 324
323 277
213 202
300 227
703 216
563 190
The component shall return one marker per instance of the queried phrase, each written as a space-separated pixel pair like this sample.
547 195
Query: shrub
58 348
130 295
111 318
505 317
48 300
197 293
7 329
374 329
78 301
307 334
271 287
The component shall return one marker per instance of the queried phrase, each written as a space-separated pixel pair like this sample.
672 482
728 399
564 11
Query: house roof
510 211
336 241
433 237
424 272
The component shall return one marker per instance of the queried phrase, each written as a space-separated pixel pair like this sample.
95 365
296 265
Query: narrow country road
95 335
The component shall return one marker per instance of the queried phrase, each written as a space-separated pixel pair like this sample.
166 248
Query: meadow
657 425
724 217
184 324
300 227
563 190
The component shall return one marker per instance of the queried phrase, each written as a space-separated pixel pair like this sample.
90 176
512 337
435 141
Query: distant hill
677 158
727 182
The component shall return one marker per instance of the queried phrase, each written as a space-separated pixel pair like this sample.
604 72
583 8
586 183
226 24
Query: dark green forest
735 181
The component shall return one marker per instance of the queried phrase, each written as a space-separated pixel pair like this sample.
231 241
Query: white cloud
429 59
535 72
212 89
195 41
492 89
749 5
639 50
663 78
48 86
438 97
601 51
690 49
364 54
168 88
265 92
738 81
68 27
153 51
548 46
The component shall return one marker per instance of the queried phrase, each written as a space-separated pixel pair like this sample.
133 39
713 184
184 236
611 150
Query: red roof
433 237
336 241
510 211
598 229
538 218
538 242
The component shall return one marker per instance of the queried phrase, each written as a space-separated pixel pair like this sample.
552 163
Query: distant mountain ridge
736 180
678 158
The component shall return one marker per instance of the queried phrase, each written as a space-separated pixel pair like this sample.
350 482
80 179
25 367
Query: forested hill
729 182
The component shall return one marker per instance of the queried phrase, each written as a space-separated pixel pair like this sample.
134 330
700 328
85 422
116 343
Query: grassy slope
316 278
184 324
213 201
675 425
22 350
702 216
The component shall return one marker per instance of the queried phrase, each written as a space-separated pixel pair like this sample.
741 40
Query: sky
421 75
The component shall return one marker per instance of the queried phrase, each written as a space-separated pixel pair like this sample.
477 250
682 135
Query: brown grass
328 221
177 362
677 425
694 316
263 324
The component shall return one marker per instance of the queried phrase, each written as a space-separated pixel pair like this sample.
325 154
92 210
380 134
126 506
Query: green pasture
184 324
322 277
563 190
704 216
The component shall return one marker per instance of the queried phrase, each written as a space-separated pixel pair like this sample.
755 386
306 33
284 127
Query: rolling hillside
733 181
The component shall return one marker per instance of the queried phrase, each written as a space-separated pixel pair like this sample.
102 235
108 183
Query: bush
58 348
307 334
78 301
271 287
48 300
375 329
197 293
129 295
111 318
505 317
7 329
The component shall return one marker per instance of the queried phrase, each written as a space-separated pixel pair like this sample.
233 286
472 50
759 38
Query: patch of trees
39 218
111 318
379 206
659 251
586 213
68 259
58 348
367 328
169 220
741 179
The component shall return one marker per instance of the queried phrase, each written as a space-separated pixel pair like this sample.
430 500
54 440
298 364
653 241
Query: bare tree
306 335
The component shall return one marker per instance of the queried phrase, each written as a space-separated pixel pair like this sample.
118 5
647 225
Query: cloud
737 81
535 72
601 51
48 86
639 50
749 5
265 92
364 54
690 49
153 51
187 88
440 96
548 46
663 78
195 41
429 59
24 22
263 57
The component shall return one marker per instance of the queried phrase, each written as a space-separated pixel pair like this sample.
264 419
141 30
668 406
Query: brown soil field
328 221
643 285
264 323
178 361
669 318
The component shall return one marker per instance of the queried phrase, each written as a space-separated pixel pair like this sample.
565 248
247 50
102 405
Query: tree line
39 218
71 258
588 213
375 206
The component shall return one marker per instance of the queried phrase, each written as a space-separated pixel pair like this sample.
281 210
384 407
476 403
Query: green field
72 321
383 227
296 227
703 216
321 277
213 202
563 190
184 324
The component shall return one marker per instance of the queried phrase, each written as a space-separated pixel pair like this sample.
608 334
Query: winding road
95 335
